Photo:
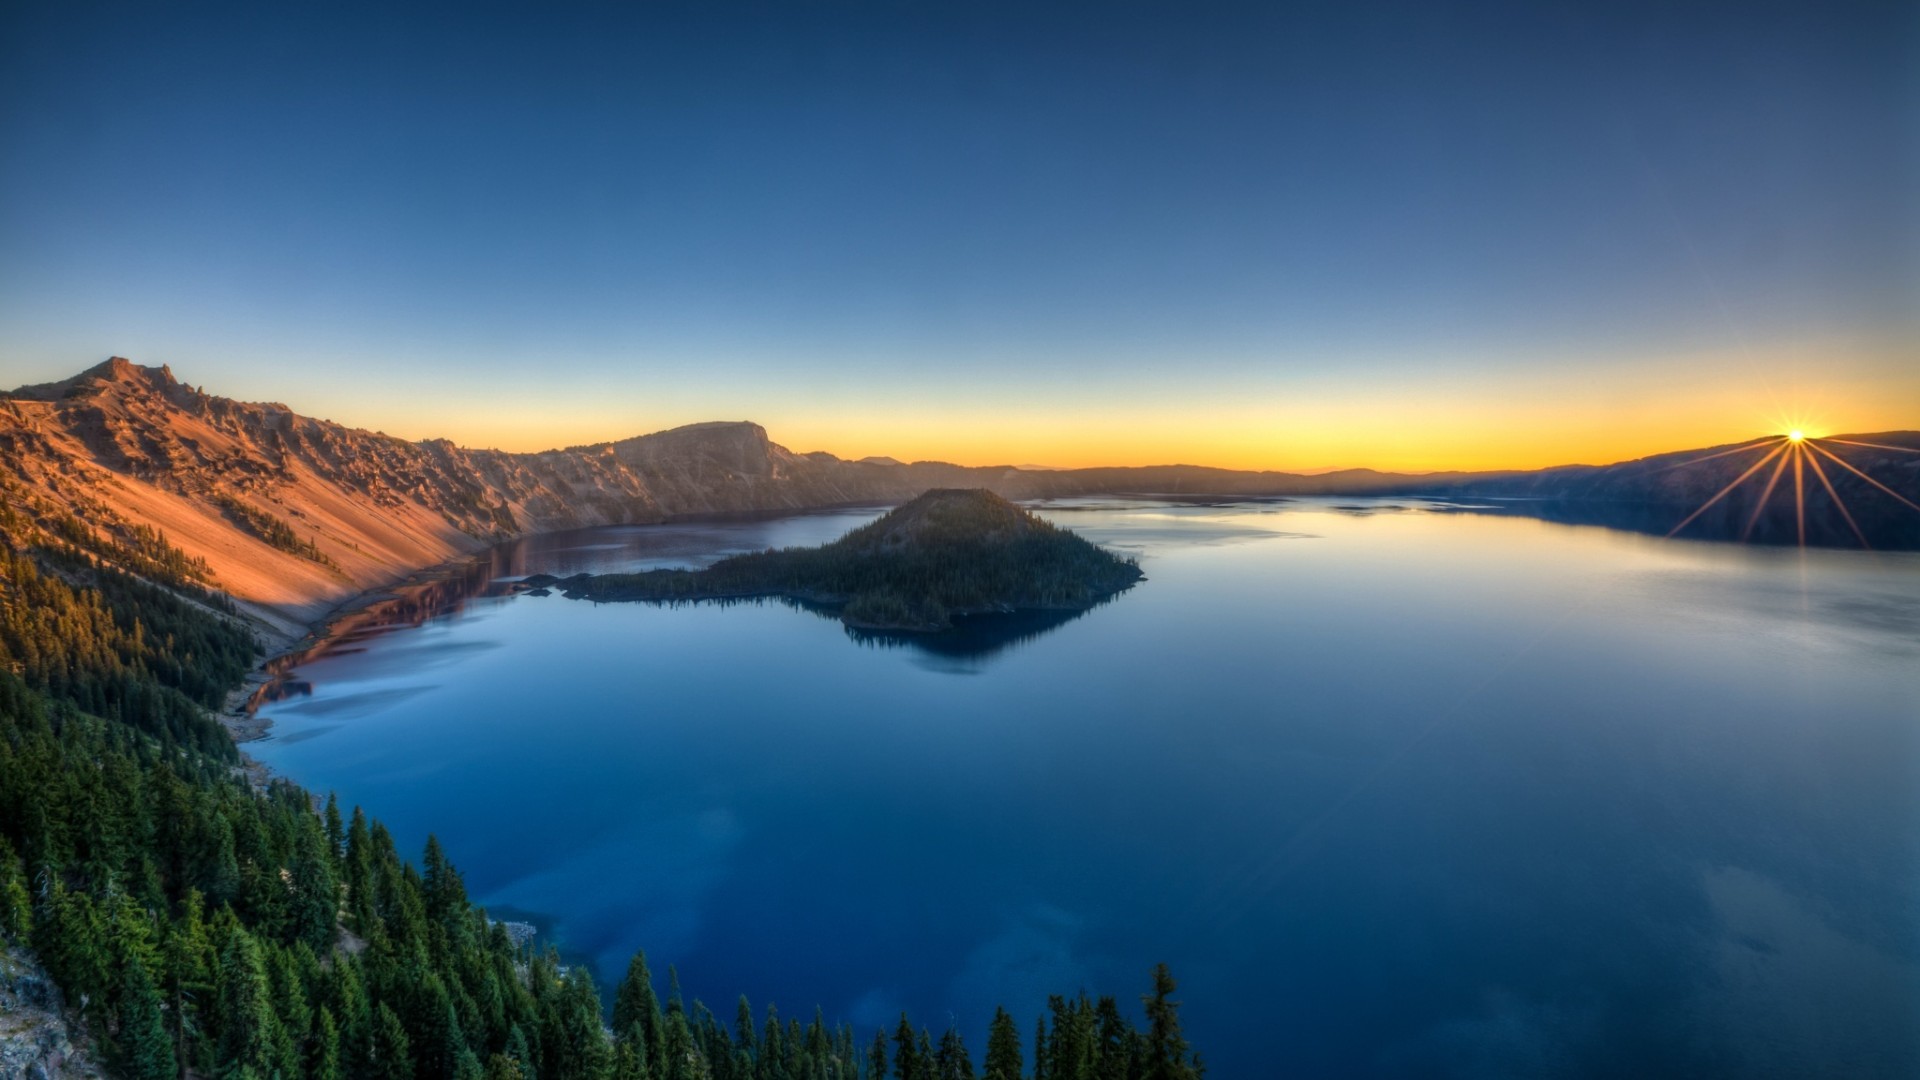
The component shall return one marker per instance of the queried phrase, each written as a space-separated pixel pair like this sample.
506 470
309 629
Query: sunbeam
1737 481
1847 465
1821 472
1875 446
1800 487
1723 453
1795 447
1761 506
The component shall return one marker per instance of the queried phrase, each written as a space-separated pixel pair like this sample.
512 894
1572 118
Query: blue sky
1258 235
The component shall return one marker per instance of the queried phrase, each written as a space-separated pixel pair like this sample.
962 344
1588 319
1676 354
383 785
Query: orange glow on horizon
1432 419
1386 439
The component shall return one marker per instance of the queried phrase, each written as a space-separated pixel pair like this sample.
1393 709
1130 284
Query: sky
1415 236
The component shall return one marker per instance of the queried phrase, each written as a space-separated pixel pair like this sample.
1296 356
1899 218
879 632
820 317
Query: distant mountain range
294 514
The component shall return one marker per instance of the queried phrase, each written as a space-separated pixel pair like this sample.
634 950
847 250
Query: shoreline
240 711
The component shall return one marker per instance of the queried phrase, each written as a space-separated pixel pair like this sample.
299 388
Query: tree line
272 530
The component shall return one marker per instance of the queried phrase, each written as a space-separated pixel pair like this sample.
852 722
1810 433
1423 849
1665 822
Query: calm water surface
1395 791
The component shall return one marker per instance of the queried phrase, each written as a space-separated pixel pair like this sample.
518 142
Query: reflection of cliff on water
406 606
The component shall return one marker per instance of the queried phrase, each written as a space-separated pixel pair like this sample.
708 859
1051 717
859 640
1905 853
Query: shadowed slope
1836 491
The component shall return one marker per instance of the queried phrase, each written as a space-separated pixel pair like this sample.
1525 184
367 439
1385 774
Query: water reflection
974 639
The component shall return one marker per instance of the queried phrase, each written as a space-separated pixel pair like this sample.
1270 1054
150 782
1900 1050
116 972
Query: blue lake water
1394 791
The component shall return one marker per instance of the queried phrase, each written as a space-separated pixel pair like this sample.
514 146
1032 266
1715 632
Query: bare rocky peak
118 371
739 447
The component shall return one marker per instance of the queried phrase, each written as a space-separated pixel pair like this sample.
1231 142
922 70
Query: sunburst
1802 451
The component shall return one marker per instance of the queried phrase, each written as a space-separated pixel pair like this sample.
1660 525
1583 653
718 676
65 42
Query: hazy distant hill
293 514
1657 494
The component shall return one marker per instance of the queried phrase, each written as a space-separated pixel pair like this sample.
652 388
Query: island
950 552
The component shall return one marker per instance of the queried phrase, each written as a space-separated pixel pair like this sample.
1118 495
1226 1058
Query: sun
1796 435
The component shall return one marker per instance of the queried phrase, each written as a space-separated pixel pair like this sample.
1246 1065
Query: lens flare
1797 448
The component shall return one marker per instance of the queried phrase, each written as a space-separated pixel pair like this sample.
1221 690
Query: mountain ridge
293 515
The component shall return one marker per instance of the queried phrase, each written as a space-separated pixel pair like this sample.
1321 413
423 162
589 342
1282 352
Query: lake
1396 790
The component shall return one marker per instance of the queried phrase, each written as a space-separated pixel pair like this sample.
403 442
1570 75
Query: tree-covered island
948 552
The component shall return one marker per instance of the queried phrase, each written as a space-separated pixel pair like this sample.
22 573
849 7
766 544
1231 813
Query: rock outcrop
35 1041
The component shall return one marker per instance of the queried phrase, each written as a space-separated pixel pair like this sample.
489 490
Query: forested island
200 924
950 552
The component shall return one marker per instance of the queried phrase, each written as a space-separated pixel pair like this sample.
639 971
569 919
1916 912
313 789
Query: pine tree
315 902
906 1056
634 1004
1003 1048
435 1035
678 1061
324 1063
745 1036
1165 1051
950 1059
877 1057
347 997
220 878
446 896
16 904
190 962
392 1056
773 1052
336 832
519 1052
144 1041
630 1055
923 1052
361 901
249 1030
1114 1051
